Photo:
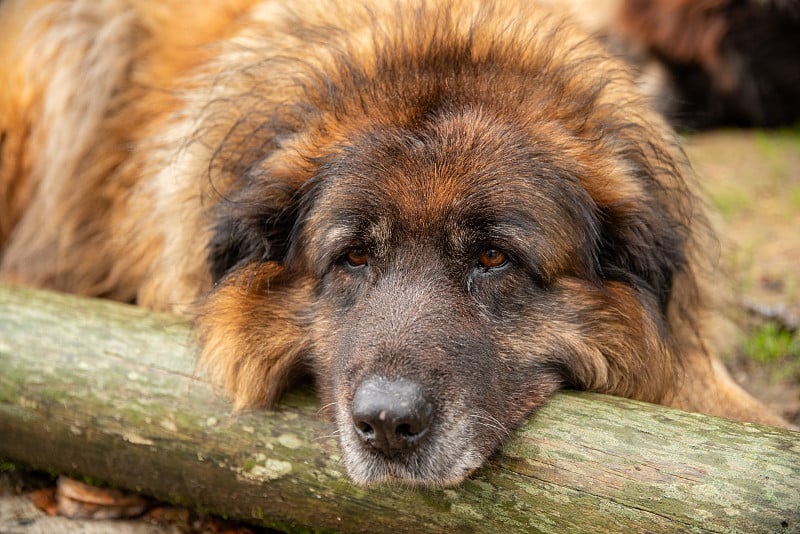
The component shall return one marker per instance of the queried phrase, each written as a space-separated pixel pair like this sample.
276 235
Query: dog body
445 211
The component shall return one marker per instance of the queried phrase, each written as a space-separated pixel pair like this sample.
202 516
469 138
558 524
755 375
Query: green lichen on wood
110 391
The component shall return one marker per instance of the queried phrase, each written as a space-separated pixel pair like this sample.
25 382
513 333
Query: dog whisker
490 422
325 407
334 434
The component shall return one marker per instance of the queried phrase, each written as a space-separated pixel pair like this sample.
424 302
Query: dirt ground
753 180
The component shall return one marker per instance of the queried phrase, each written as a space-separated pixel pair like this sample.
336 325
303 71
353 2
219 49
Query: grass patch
731 202
794 196
7 467
770 343
775 149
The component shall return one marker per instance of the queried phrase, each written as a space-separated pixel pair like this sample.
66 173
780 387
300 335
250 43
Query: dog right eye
356 257
491 258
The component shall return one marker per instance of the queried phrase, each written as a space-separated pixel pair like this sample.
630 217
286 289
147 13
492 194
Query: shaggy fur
322 184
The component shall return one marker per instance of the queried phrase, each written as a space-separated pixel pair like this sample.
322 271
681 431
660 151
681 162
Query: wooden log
107 390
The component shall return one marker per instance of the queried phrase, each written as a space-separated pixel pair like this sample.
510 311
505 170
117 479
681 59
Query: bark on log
107 390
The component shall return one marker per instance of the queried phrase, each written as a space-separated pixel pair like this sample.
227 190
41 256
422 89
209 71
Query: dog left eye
356 257
491 258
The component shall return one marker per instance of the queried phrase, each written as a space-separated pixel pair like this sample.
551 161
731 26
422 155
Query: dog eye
491 258
356 257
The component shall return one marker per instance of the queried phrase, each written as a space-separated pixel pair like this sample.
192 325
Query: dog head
443 255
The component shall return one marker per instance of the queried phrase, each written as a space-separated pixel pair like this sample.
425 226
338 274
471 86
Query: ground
752 179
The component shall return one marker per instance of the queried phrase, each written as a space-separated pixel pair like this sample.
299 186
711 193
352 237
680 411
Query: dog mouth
436 463
392 432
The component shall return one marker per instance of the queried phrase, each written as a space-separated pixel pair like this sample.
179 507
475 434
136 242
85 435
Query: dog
443 211
706 63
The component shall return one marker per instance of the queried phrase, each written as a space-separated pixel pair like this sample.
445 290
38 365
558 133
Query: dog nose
391 415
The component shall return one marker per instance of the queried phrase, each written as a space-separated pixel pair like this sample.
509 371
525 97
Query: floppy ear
253 333
253 225
643 245
251 327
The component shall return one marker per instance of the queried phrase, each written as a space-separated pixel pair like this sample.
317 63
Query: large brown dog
446 210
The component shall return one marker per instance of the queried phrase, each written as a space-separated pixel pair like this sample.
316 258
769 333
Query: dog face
427 258
453 276
443 256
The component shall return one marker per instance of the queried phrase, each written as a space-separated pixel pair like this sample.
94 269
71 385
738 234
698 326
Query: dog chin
421 468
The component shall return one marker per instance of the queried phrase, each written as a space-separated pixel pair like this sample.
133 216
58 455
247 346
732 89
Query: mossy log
101 389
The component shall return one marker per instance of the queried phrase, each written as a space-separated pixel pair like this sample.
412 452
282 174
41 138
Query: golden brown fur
228 158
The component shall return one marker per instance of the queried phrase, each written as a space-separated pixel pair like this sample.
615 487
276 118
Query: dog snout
392 416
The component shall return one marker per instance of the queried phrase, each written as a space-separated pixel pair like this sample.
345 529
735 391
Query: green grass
7 467
794 196
731 203
770 343
775 149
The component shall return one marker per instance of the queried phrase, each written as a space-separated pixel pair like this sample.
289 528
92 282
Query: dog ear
233 242
251 226
252 326
644 245
253 332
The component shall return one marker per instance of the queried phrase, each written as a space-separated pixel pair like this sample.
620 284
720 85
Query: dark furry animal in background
445 211
726 62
